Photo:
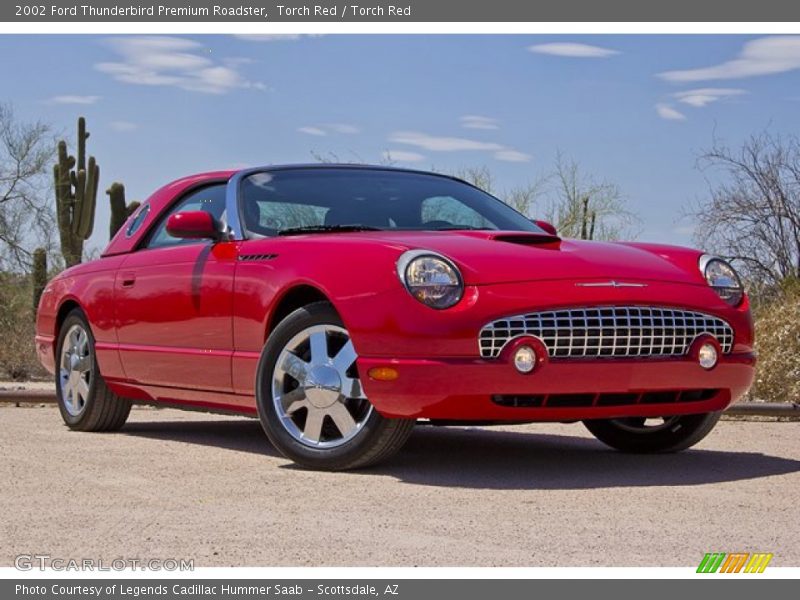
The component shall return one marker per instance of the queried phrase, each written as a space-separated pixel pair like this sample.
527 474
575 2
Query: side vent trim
256 257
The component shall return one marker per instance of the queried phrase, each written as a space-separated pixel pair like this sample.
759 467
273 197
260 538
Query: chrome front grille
607 331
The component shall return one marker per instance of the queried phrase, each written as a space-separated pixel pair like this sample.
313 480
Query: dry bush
26 214
576 203
17 352
753 214
777 323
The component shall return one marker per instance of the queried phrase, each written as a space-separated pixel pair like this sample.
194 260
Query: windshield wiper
326 229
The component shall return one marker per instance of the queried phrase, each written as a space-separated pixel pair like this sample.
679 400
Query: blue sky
635 110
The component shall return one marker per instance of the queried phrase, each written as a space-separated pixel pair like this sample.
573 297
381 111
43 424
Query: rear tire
310 400
634 435
85 402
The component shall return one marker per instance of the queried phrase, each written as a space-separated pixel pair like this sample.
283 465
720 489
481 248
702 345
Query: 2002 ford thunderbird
341 304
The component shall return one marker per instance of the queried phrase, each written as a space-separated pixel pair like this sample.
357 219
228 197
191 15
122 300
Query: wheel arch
66 307
292 298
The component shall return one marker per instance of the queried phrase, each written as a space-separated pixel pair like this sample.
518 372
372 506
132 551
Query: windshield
346 199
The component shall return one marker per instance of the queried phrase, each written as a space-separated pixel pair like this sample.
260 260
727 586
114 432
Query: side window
448 210
210 199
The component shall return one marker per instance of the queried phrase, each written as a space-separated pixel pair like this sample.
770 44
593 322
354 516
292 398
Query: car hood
503 257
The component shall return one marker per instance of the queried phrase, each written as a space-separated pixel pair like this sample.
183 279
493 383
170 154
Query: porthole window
140 218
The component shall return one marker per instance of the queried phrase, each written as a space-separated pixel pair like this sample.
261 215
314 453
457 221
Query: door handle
128 279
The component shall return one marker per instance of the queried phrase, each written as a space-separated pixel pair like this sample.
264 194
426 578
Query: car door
174 304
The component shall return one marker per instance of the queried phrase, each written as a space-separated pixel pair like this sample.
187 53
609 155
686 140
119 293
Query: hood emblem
612 283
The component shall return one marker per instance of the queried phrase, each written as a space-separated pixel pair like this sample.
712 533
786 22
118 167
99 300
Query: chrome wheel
646 424
75 370
316 390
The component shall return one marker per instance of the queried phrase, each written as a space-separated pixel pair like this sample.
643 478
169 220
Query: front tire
640 435
309 396
85 402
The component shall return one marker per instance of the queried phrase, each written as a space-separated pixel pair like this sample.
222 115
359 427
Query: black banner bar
387 589
399 11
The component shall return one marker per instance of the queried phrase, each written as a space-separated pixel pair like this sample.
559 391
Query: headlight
430 278
722 277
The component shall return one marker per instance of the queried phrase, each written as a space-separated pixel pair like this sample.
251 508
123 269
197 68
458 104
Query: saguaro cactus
119 210
76 196
38 276
588 219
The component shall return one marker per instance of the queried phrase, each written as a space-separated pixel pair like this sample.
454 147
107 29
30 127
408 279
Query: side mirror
193 224
547 227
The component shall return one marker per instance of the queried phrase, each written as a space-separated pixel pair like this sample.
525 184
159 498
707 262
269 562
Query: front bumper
466 389
44 352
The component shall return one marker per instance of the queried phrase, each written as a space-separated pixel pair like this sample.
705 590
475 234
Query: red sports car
341 304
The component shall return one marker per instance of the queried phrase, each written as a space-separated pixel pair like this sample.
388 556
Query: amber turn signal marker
383 373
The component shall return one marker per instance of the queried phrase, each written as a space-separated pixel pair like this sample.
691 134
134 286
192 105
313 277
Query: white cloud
572 50
123 126
343 128
665 111
441 144
478 122
763 56
172 61
311 130
702 97
512 156
434 143
403 156
273 37
73 99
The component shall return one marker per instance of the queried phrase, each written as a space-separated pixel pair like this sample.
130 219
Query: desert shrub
17 352
777 322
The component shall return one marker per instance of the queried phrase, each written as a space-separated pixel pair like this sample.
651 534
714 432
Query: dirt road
187 485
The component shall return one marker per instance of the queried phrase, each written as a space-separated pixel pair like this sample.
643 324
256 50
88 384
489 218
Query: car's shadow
491 459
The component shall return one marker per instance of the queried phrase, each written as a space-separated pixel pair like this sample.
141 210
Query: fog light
707 356
524 359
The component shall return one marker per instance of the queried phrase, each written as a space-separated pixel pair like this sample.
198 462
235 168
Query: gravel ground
27 385
188 485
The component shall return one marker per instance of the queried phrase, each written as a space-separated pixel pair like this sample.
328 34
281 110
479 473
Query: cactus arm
57 188
95 186
77 212
65 204
116 198
38 276
119 210
82 137
85 200
65 160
